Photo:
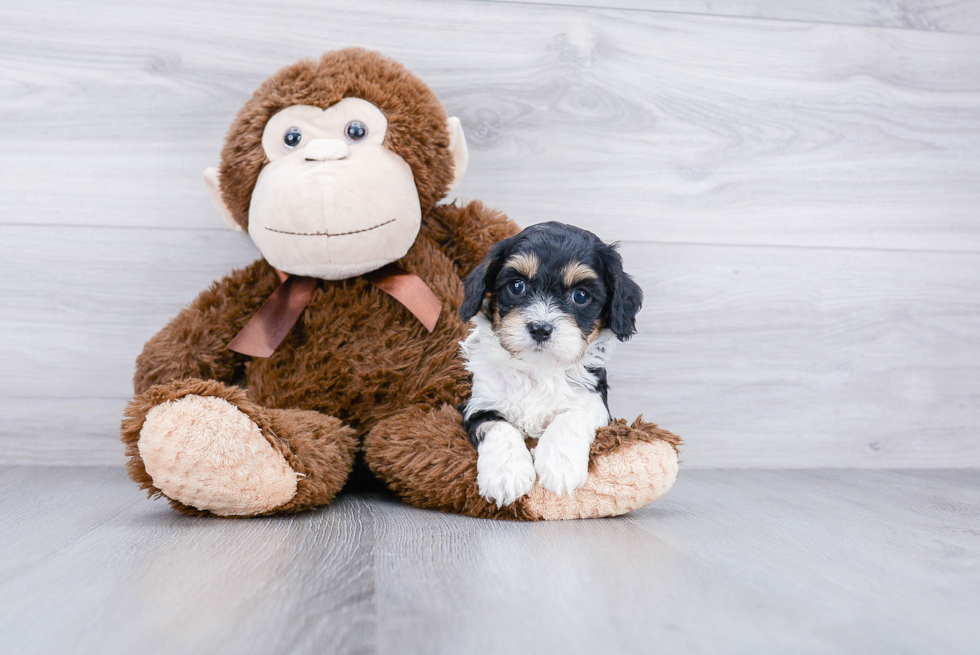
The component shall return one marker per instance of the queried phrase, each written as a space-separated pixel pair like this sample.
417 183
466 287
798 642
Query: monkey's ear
211 182
461 154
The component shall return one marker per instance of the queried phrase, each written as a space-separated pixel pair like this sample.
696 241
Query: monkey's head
331 164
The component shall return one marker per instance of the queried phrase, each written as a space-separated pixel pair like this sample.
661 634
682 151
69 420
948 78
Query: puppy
545 305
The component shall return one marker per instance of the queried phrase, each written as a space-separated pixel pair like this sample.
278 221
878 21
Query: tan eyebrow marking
525 263
578 272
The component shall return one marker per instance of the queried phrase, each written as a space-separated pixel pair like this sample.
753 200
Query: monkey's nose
540 331
325 150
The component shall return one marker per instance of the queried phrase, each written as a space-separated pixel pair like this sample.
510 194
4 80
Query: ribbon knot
269 326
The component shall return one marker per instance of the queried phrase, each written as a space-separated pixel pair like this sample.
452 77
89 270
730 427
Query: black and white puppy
545 305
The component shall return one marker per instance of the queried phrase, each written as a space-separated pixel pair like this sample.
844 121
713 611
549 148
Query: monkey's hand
195 343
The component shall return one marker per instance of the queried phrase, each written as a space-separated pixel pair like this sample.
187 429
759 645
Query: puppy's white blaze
504 469
557 405
566 345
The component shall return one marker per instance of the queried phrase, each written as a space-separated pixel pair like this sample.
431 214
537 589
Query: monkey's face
333 202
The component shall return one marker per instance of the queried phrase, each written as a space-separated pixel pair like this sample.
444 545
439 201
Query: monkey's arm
194 344
467 232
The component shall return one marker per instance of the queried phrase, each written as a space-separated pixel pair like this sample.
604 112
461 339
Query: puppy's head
550 290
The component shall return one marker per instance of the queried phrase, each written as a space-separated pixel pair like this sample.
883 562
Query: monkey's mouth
331 234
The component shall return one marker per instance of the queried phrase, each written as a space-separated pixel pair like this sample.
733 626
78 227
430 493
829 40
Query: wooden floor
729 562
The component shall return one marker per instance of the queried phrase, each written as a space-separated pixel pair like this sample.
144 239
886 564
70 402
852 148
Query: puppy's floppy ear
474 288
626 297
483 276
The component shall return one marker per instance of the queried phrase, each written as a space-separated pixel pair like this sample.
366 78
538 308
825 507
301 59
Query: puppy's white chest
531 400
531 396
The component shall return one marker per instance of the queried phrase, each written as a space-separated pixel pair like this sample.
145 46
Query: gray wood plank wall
800 198
933 15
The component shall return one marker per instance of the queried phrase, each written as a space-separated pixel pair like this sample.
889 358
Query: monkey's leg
424 455
630 466
209 450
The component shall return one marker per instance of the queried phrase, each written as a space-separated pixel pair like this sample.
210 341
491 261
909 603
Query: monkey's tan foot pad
206 453
620 481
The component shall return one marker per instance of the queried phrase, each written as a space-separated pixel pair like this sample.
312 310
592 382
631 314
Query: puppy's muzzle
540 332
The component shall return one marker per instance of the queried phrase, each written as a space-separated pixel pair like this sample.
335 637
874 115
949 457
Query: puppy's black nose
540 331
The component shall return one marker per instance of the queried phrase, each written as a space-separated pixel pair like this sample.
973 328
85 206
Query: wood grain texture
640 125
758 357
728 562
90 566
932 15
799 201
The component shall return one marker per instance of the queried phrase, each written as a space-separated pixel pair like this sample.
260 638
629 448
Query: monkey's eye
355 130
517 287
580 297
292 137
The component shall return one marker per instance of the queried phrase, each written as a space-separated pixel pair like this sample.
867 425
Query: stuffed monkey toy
344 338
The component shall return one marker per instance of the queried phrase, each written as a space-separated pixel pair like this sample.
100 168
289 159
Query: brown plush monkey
335 168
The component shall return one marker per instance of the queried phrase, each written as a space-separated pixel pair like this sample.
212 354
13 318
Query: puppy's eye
292 138
581 297
517 287
355 131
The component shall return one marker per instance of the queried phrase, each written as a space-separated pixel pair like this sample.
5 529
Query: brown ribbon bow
269 326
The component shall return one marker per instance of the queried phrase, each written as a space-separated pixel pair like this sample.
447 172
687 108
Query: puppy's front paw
562 463
504 469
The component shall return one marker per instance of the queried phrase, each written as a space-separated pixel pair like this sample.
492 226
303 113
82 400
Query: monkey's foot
630 467
204 452
210 450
